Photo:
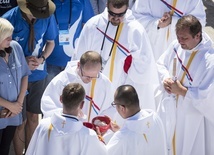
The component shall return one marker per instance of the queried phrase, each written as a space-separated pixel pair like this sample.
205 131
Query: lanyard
70 15
114 44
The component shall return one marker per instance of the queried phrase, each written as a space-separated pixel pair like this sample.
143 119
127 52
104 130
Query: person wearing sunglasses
122 42
99 5
142 132
85 71
160 16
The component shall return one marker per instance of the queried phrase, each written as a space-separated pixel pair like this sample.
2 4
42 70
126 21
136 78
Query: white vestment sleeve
84 41
115 145
94 147
31 150
202 98
142 12
50 101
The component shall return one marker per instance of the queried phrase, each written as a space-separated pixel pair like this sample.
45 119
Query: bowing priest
85 71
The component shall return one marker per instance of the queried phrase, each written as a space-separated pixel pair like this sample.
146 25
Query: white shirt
58 135
141 134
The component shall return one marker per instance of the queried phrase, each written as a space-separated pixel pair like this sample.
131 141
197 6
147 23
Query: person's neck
73 113
28 18
132 113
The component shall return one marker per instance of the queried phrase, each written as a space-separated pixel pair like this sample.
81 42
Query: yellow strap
114 52
49 131
182 80
91 95
188 64
171 13
173 143
174 5
144 135
167 36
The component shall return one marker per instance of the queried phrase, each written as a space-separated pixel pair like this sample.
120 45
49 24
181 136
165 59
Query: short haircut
190 22
90 57
72 95
6 29
118 3
127 95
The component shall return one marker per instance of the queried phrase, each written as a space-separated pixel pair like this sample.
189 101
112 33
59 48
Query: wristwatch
43 58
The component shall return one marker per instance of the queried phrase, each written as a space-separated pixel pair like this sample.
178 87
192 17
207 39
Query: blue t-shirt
74 14
43 28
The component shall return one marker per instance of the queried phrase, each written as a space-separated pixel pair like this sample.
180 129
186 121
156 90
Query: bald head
91 58
127 95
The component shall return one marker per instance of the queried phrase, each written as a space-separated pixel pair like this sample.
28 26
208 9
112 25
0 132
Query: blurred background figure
6 5
70 15
159 19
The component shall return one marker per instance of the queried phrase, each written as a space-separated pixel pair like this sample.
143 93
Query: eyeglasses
116 14
113 104
85 76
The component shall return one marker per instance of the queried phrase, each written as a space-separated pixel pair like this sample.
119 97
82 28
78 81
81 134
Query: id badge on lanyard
64 37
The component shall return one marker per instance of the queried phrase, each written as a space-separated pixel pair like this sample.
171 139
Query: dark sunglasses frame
116 14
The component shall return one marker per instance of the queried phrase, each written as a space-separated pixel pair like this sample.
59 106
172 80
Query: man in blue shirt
70 16
35 30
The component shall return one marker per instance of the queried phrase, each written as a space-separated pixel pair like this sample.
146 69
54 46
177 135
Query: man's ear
82 104
123 108
60 98
78 64
198 35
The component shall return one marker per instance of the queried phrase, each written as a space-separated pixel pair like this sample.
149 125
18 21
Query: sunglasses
116 14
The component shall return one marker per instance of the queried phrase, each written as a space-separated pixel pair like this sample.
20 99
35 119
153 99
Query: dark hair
127 95
90 57
118 3
72 95
190 22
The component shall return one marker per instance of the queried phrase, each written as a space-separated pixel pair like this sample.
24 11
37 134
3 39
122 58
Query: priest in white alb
125 50
187 69
98 88
143 131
